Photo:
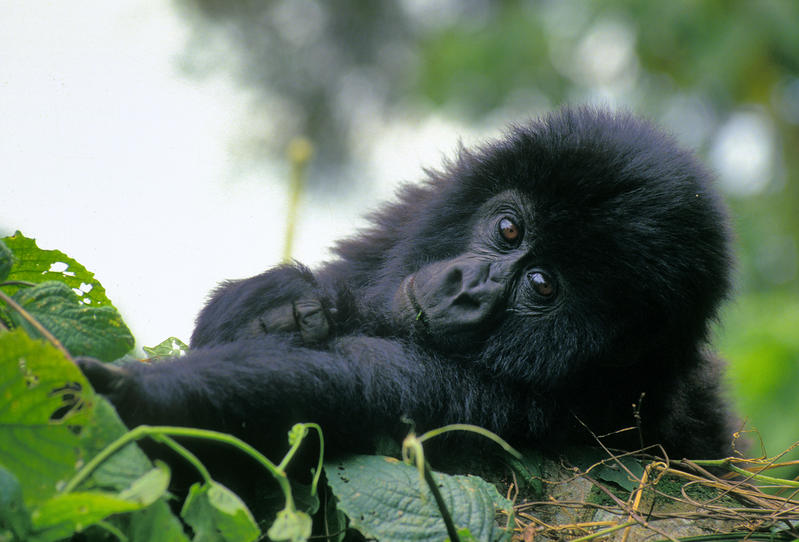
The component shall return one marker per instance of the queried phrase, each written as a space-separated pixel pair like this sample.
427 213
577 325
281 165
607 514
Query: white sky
111 155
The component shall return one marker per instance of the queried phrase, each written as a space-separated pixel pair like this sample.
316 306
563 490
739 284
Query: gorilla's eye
509 230
542 284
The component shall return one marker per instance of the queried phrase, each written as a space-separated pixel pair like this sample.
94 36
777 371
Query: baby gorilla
539 286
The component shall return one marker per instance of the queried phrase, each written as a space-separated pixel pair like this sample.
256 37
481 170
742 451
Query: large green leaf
84 330
45 405
51 424
386 499
36 265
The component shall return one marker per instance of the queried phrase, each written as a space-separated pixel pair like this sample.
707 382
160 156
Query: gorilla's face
561 252
456 301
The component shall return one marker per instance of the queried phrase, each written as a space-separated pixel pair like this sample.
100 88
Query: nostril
466 301
453 283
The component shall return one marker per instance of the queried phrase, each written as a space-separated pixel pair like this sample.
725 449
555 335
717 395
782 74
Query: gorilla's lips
408 312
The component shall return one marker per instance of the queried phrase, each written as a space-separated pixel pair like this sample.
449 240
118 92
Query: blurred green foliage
760 338
722 75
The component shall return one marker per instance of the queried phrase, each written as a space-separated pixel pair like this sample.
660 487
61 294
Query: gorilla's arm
357 391
284 299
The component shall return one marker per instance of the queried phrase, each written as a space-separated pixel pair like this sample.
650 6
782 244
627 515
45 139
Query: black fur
626 223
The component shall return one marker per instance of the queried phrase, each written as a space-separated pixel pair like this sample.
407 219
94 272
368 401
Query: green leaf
45 404
156 523
150 487
170 348
216 513
385 499
62 515
527 470
608 469
13 514
291 525
6 261
84 330
36 265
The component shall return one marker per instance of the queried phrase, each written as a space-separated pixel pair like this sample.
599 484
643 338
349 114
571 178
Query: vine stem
299 152
442 506
158 432
32 321
471 428
413 452
17 283
605 532
728 464
295 446
113 530
185 454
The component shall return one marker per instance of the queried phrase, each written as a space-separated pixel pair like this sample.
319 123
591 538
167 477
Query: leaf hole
71 398
61 268
82 290
75 429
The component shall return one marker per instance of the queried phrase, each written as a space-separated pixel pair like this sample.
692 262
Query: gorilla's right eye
509 230
542 283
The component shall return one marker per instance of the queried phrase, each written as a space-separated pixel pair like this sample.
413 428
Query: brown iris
542 284
509 230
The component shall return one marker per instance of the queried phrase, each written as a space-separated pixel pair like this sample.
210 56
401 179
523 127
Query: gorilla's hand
313 320
306 315
285 299
106 379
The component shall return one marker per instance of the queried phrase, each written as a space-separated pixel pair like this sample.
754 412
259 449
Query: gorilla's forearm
361 389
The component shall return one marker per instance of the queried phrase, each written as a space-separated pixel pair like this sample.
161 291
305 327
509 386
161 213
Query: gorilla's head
585 238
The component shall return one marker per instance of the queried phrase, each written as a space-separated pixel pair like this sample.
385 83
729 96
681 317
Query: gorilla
549 286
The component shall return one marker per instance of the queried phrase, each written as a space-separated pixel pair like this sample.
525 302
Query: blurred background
148 139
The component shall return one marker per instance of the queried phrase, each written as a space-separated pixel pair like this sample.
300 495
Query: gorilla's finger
104 378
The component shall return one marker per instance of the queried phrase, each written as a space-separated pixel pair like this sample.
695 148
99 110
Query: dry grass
728 499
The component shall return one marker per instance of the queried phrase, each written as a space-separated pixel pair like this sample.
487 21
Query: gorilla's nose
458 293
